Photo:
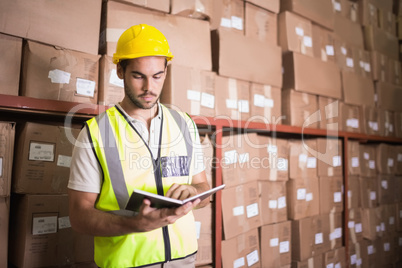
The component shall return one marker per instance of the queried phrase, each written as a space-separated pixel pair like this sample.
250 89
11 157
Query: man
138 144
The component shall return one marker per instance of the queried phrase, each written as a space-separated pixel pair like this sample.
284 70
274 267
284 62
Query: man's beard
135 100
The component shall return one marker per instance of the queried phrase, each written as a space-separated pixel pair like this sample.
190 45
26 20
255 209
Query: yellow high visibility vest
127 164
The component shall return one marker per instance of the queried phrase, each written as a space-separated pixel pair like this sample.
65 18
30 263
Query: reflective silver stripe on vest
181 122
113 160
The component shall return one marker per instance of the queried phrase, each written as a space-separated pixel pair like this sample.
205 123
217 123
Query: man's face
143 80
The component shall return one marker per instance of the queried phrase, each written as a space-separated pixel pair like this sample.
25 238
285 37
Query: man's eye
157 77
137 76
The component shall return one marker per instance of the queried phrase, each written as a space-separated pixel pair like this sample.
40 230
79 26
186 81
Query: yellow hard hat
140 41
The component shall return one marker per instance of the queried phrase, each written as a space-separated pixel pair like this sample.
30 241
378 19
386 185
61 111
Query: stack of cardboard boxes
374 207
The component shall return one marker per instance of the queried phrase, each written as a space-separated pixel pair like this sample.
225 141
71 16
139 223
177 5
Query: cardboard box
387 121
367 160
390 215
111 87
240 209
386 158
76 26
357 90
265 103
348 31
232 98
330 114
194 9
368 192
310 237
355 226
299 70
4 221
369 13
274 158
353 193
381 41
272 6
203 220
117 17
353 157
344 55
299 109
7 136
335 230
302 158
230 60
320 12
313 262
295 34
10 64
228 15
351 118
395 72
40 231
331 195
335 258
189 90
272 202
347 9
379 66
323 43
59 74
303 198
371 121
388 96
355 255
242 250
329 154
371 219
163 5
42 165
386 250
260 24
275 244
369 251
386 189
362 58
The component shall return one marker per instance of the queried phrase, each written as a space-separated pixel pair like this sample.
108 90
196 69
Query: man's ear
119 71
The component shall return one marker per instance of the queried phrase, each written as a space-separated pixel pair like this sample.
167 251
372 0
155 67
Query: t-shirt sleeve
85 171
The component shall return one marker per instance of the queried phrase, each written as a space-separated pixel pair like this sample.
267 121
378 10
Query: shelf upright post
218 197
345 197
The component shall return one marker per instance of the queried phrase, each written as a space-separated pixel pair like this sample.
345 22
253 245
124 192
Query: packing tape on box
231 102
268 102
310 263
332 227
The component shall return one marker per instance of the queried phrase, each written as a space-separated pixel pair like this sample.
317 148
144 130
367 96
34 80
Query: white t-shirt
85 171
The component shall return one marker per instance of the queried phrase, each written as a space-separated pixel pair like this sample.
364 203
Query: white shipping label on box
309 197
244 106
230 157
351 224
353 259
193 95
390 162
207 100
244 158
367 67
225 22
319 239
274 242
59 77
41 152
358 228
372 164
366 156
370 249
350 193
384 184
252 210
337 6
115 80
359 262
330 265
302 158
252 258
237 23
85 87
301 194
268 103
272 149
337 161
64 161
282 164
238 211
311 162
231 104
352 122
338 265
373 195
399 157
387 247
281 202
64 222
330 50
240 262
337 197
373 125
299 31
273 204
284 247
259 100
344 51
355 161
349 62
307 41
198 228
44 225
